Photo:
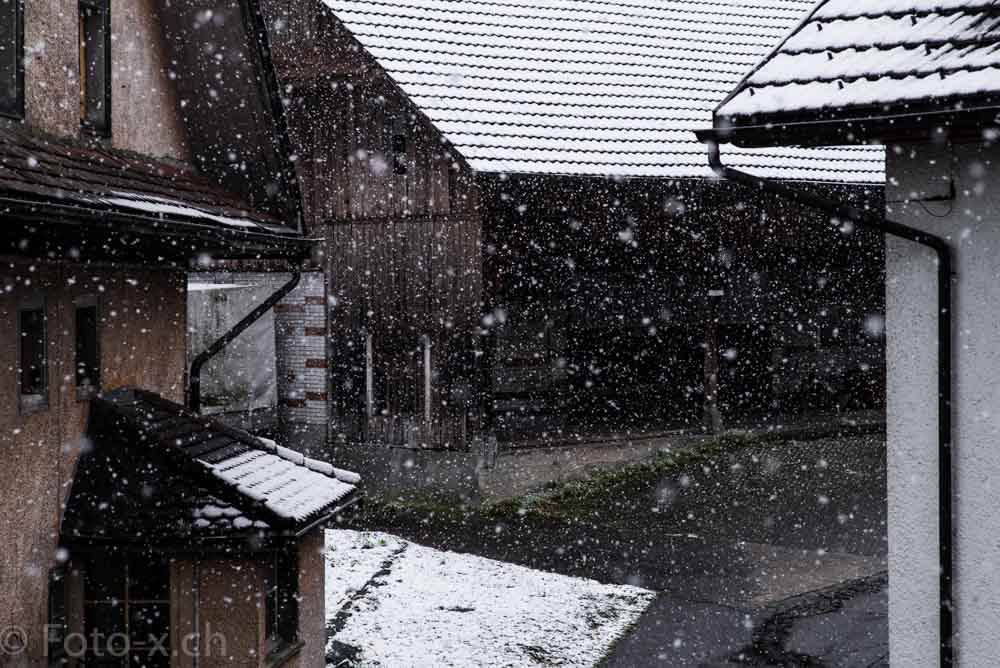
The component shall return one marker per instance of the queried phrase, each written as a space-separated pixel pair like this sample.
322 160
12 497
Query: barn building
524 247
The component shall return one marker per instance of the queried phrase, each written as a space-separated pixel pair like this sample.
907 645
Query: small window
399 142
127 609
32 373
95 66
11 58
281 613
58 626
88 355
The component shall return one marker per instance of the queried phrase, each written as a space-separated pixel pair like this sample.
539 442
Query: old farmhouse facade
135 531
523 245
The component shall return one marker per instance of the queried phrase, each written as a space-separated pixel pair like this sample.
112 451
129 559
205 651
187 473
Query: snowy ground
394 603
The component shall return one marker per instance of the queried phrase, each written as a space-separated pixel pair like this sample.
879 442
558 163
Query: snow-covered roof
874 57
586 86
157 469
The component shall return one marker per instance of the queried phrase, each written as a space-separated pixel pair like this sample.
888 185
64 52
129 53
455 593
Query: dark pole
944 276
194 381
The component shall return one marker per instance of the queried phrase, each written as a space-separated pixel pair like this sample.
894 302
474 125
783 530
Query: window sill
282 654
86 392
29 404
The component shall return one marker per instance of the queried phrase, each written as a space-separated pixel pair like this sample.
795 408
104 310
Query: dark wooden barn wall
402 250
605 285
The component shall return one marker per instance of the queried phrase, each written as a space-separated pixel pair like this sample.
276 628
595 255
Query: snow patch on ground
403 604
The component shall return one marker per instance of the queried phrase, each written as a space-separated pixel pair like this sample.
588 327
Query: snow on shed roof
585 86
157 470
878 56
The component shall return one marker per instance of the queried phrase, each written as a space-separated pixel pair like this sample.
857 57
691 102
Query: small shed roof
584 86
854 61
156 472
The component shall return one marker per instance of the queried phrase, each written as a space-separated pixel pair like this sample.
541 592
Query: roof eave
885 124
329 515
215 239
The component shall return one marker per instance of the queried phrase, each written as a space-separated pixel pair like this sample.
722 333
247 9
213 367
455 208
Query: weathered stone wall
144 106
142 341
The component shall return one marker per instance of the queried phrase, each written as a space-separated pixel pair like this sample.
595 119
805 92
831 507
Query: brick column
301 346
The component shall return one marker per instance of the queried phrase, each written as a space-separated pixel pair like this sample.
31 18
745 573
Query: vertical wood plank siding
402 250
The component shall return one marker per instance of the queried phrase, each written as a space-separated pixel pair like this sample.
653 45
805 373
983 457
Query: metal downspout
944 255
194 380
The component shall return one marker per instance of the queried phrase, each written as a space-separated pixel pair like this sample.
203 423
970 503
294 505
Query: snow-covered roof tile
875 57
157 469
585 87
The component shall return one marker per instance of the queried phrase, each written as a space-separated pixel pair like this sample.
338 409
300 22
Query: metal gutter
194 380
873 123
945 273
155 226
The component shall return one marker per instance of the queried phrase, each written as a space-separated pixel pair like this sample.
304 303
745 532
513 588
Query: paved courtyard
765 554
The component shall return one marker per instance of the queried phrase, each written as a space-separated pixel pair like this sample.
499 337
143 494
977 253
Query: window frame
16 110
32 403
57 616
281 592
128 599
84 392
104 8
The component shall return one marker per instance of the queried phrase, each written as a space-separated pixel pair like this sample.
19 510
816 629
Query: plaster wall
312 601
970 223
231 613
144 108
142 318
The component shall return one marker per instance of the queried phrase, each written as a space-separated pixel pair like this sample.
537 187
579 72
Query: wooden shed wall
401 234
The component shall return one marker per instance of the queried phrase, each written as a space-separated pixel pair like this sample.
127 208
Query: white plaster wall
972 223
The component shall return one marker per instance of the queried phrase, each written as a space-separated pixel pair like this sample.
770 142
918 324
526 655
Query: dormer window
11 58
95 66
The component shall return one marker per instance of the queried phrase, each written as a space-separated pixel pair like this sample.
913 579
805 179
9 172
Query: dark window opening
127 595
58 623
281 588
88 358
32 363
95 67
11 58
398 145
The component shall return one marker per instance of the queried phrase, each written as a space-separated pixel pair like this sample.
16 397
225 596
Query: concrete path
842 626
768 556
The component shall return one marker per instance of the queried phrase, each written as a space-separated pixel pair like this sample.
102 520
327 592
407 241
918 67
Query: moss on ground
595 496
